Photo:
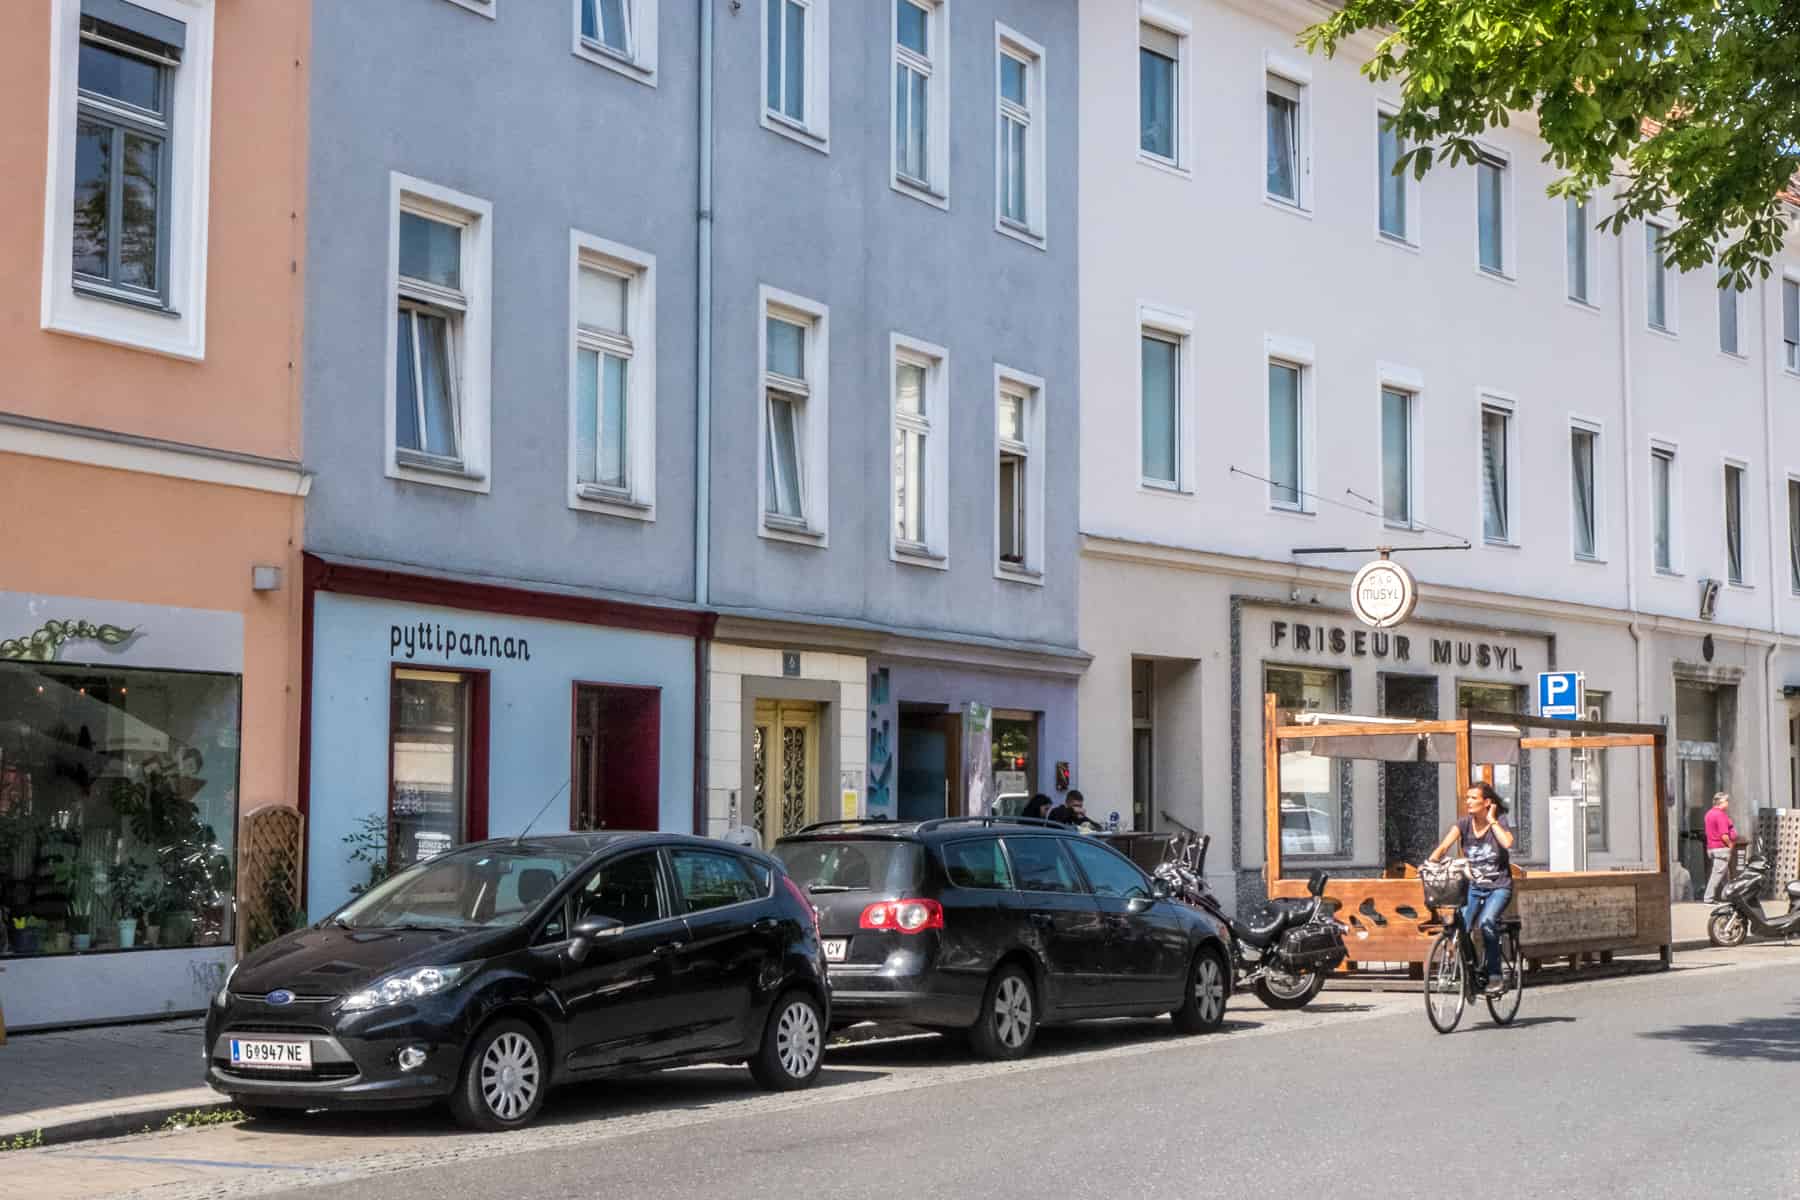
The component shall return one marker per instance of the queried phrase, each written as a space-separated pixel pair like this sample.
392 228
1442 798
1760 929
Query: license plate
836 949
293 1056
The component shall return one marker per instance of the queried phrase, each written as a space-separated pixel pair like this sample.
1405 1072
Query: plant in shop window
129 887
368 844
193 876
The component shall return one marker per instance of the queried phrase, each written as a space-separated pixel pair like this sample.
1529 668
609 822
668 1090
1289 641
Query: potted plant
130 890
56 937
27 935
81 931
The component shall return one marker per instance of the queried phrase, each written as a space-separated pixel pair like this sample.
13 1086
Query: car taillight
903 916
805 901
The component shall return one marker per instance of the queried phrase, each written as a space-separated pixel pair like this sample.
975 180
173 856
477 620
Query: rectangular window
1287 451
615 748
1396 456
1496 473
619 34
1161 408
1590 769
787 41
1790 323
796 69
793 419
125 89
1734 523
1662 503
1019 483
614 388
1015 130
1793 498
1159 63
1311 784
912 90
1019 137
1392 187
438 798
1282 104
1578 238
1728 313
1656 278
1581 476
429 342
1490 213
603 358
920 441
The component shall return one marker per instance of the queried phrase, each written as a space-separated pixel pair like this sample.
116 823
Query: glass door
1698 756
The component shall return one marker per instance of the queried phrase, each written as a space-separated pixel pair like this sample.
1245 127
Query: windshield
481 887
844 865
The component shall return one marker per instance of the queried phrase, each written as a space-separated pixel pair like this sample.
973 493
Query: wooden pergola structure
1571 914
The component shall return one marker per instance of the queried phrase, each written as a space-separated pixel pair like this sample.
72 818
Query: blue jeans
1483 909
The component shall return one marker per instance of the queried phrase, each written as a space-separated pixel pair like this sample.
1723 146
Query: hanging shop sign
1383 594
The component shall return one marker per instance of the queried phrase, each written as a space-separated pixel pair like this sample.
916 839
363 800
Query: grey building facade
510 600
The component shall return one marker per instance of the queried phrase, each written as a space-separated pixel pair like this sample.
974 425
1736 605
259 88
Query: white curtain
1581 446
1493 474
1734 524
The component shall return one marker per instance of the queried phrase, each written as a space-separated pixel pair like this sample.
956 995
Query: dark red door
616 757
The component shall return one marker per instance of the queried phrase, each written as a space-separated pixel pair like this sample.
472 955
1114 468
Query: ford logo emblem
279 996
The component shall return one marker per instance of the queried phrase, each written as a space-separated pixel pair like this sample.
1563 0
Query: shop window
1312 786
437 756
615 770
1015 756
1495 697
118 807
1592 769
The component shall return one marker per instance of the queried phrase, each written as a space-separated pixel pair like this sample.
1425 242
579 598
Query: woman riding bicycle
1487 844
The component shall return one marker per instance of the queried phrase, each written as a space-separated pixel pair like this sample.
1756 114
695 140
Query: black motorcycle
1285 955
1742 912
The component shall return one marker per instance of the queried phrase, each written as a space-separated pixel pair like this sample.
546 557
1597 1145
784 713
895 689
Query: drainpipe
1627 426
1776 556
703 422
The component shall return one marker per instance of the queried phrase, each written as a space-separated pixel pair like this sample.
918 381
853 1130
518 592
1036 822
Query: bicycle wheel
1446 986
1504 1007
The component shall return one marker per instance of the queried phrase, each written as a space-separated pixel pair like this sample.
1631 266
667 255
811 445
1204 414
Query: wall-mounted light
265 579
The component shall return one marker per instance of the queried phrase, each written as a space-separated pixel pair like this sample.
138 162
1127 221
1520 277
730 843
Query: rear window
977 864
849 865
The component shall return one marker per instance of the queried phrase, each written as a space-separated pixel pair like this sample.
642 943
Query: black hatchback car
496 971
999 925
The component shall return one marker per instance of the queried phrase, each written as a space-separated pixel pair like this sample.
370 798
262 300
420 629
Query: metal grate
317 1073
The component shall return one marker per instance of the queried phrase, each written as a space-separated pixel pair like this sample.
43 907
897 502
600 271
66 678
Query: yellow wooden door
784 769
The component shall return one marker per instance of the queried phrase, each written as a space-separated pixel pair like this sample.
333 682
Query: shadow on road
1526 1023
1772 1039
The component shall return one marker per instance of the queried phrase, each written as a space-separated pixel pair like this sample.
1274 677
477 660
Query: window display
118 808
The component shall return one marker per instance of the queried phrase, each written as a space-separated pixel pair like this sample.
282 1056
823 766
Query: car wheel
504 1078
793 1044
1009 1016
1203 1006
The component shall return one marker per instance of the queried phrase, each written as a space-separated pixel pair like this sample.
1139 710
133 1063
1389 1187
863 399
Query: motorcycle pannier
1317 947
1446 884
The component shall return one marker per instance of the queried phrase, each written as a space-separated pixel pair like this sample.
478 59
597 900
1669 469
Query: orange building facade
151 489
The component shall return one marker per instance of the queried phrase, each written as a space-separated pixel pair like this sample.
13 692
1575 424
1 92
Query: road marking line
182 1162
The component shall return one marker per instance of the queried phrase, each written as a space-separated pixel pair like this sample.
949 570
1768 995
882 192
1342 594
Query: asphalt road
1676 1084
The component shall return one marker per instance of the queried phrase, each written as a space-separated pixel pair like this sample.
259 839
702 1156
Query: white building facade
1283 347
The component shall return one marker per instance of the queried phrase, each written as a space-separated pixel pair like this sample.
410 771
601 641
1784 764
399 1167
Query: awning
1496 744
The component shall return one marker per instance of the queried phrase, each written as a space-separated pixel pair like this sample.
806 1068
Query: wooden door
784 768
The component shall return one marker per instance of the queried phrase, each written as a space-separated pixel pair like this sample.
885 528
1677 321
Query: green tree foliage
1717 80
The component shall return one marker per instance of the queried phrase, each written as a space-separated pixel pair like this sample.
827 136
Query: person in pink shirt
1721 836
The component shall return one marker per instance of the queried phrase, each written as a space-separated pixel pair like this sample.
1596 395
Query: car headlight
406 985
224 996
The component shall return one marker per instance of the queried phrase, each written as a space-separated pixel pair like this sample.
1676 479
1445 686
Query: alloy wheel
1287 986
1209 989
510 1076
797 1040
1012 1012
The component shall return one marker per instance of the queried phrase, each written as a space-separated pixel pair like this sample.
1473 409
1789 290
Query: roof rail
940 822
818 825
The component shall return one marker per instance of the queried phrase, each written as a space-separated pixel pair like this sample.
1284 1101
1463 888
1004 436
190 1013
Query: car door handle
1042 920
667 948
766 925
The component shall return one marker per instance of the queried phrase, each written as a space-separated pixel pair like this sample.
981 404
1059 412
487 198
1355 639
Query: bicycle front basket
1446 885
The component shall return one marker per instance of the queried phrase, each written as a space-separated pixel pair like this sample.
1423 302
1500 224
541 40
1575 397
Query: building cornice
113 450
789 631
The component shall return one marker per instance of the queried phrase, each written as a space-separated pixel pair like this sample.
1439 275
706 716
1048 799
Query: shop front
120 739
442 712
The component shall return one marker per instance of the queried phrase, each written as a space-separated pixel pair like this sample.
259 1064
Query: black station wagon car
496 971
998 925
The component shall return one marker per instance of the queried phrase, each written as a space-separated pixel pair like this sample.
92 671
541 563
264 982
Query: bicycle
1453 964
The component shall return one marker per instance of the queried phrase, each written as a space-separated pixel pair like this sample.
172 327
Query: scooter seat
1793 892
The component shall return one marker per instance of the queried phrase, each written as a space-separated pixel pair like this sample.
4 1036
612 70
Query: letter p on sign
1560 694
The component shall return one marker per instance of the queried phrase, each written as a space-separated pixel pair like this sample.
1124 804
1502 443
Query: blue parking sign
1559 694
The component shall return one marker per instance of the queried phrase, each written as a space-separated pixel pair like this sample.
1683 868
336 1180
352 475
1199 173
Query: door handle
1042 920
666 949
766 925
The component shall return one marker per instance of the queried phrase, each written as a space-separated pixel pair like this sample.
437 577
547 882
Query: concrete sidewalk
116 1079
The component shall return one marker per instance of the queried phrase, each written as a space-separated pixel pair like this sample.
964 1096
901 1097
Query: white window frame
1790 481
642 17
1409 382
936 190
1664 447
1295 74
1790 359
1742 353
814 130
485 8
1409 238
1509 239
814 440
1035 230
1298 353
1499 402
934 550
1746 555
473 338
1031 387
1176 326
1178 27
179 331
1590 247
1671 326
1597 429
638 270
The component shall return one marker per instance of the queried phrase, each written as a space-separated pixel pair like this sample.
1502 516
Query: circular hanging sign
1383 594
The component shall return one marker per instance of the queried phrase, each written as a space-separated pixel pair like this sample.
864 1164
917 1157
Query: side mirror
1315 886
588 931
